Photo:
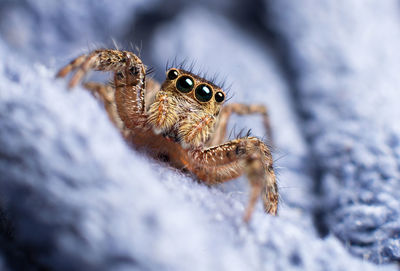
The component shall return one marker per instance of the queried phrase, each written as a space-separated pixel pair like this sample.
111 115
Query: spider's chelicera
182 122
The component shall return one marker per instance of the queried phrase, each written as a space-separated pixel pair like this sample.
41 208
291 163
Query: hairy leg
130 92
129 80
219 135
248 156
105 93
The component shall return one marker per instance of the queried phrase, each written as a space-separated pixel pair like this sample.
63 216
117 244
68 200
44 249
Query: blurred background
328 72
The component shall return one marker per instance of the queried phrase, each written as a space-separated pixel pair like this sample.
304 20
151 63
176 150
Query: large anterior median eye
184 84
203 93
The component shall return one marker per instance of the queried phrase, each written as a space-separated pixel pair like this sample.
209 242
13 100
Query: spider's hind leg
219 135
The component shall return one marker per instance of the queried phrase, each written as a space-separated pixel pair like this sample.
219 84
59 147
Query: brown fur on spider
183 122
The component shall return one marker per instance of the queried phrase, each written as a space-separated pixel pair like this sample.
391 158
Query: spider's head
186 108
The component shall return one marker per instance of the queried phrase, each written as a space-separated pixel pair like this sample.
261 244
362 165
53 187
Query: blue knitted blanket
75 196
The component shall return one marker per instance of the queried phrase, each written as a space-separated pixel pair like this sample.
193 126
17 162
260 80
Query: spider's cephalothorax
182 122
186 108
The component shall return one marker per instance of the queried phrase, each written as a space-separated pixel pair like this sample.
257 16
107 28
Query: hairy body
182 121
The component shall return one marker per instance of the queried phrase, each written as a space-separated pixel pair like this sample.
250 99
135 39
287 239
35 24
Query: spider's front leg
248 156
105 93
129 80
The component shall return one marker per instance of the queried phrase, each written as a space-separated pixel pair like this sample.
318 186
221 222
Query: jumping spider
183 121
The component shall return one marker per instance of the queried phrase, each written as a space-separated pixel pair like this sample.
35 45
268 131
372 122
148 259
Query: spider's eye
185 84
219 97
203 93
172 74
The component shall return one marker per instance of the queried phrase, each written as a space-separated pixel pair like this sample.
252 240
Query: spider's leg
129 80
71 66
101 91
105 93
99 60
130 92
248 156
219 135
